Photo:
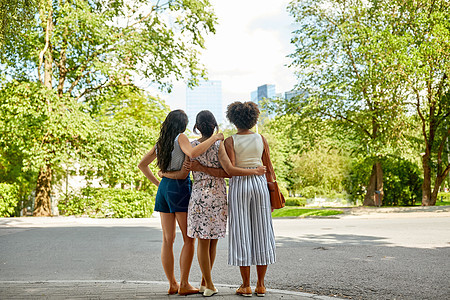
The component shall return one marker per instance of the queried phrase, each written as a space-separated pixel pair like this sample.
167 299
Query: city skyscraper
263 91
206 96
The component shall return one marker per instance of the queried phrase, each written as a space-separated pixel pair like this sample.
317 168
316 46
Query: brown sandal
260 291
244 291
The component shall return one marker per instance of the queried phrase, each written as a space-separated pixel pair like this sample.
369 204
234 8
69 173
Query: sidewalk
110 289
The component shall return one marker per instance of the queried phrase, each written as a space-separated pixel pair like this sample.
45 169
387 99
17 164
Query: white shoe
203 288
209 293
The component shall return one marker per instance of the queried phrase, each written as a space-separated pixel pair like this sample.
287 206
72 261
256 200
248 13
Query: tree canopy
96 56
361 62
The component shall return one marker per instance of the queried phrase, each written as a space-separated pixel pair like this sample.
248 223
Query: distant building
206 96
263 91
254 96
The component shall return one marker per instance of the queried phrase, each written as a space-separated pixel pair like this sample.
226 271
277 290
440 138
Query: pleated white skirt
251 238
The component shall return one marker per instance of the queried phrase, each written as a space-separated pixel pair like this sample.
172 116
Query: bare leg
187 253
261 271
245 274
212 251
168 225
203 252
212 256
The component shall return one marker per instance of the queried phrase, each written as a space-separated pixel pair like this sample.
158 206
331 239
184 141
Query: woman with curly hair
207 214
251 237
172 198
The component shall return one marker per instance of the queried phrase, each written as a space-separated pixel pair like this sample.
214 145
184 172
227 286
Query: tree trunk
379 193
368 198
437 185
426 186
42 202
374 194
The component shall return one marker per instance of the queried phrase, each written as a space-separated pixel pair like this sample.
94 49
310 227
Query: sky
249 49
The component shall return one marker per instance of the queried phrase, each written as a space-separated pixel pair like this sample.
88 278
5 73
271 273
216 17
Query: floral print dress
207 212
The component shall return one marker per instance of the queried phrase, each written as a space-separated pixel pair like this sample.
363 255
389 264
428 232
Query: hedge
108 202
295 201
9 197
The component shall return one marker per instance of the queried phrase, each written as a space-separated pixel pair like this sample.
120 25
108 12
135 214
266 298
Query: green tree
345 71
129 120
423 63
14 16
79 48
39 129
402 180
284 143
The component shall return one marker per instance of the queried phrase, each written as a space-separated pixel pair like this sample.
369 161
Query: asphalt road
377 256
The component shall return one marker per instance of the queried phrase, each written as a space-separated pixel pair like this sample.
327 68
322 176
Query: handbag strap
270 173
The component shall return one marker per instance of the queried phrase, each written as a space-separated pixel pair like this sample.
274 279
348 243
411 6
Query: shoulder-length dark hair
205 122
174 124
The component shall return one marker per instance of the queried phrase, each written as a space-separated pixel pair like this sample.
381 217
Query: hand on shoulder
219 136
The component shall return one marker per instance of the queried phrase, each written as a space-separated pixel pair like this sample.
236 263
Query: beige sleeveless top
248 149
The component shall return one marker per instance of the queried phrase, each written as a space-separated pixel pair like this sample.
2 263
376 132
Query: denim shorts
173 195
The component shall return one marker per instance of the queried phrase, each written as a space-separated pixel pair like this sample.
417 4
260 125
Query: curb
121 289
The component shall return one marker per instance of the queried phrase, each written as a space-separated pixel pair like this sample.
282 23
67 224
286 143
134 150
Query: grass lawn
303 212
438 202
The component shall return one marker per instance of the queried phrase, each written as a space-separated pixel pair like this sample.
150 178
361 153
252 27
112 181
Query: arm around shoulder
192 152
180 174
236 171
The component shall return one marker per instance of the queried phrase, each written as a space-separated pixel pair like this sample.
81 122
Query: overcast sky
249 49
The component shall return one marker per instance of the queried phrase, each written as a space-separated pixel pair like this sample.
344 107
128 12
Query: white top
248 149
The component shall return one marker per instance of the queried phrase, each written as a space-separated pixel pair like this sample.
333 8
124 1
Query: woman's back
248 149
210 158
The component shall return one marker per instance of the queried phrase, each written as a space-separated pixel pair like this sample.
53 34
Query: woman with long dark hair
172 198
207 214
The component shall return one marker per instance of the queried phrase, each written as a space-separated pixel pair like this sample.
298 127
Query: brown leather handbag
276 197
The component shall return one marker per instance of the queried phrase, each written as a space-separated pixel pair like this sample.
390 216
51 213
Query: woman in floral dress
207 211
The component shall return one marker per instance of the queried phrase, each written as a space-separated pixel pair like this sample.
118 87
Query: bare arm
145 162
192 152
267 162
216 172
235 171
229 147
180 174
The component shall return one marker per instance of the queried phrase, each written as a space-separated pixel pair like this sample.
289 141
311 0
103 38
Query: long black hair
206 123
174 124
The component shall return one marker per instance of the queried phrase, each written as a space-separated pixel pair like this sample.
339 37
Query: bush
402 181
108 202
9 197
295 201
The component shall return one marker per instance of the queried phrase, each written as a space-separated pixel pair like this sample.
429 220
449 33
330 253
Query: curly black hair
243 115
206 123
174 124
